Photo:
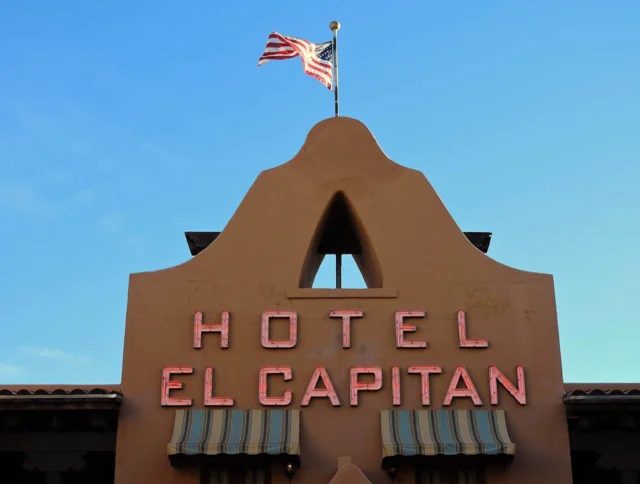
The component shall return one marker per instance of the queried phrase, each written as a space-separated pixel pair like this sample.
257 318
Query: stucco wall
255 265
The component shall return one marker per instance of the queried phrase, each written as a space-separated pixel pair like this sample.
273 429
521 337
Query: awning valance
445 432
233 431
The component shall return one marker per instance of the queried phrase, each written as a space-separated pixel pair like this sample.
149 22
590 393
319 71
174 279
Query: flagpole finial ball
334 25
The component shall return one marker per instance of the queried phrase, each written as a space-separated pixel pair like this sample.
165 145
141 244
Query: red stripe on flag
280 47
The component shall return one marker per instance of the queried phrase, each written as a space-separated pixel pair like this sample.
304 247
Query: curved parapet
403 222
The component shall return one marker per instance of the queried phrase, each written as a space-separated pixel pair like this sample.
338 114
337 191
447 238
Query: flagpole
335 26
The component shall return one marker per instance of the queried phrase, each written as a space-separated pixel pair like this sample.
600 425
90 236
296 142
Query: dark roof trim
601 399
52 397
480 239
579 403
198 241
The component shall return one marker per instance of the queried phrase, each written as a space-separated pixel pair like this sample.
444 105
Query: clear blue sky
123 124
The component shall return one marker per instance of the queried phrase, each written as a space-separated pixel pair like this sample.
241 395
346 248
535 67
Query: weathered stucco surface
255 265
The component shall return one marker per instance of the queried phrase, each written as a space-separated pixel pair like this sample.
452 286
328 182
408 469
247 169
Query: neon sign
320 385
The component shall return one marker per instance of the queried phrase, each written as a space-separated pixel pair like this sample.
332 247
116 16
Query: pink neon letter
462 335
346 316
320 373
274 370
395 384
356 386
470 390
293 329
495 376
425 371
209 399
402 328
199 328
168 385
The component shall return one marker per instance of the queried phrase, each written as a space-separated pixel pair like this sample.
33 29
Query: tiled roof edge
601 391
59 391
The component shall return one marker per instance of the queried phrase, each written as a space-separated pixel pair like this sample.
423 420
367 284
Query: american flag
317 59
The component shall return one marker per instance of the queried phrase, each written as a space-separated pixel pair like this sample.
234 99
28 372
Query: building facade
445 369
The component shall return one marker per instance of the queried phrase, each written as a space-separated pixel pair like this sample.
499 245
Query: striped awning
445 432
232 431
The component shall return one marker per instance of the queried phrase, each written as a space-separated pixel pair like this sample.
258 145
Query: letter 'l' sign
463 341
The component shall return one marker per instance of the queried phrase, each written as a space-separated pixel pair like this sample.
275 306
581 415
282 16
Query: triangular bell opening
340 232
